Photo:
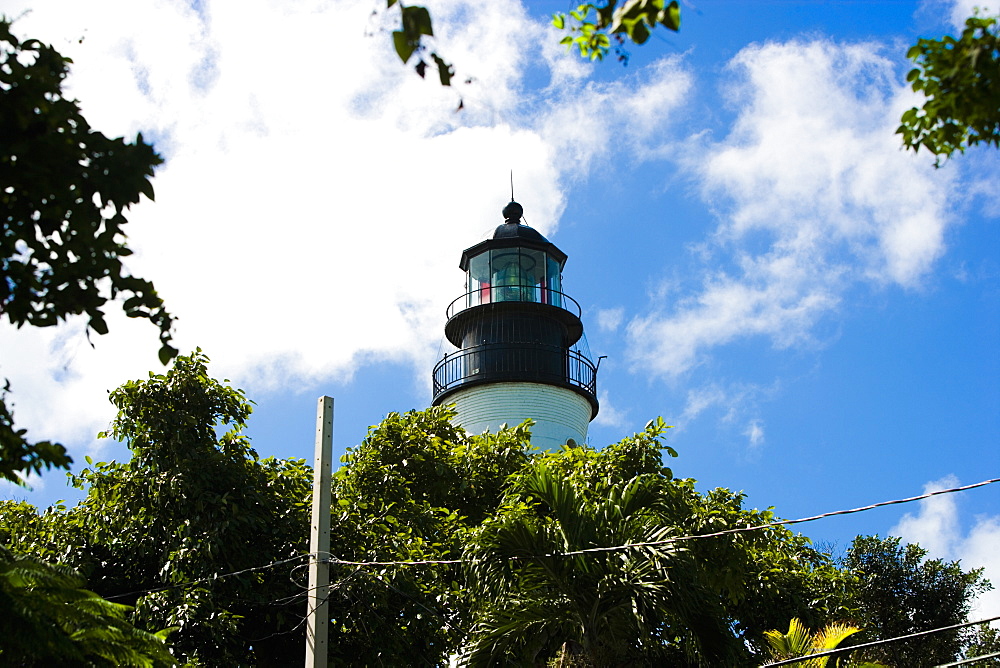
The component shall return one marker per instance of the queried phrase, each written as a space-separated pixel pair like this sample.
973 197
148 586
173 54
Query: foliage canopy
904 592
164 530
65 191
961 81
631 20
49 619
418 488
520 550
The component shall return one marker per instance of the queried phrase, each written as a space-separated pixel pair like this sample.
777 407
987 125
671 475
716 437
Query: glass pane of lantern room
553 281
507 281
479 279
533 275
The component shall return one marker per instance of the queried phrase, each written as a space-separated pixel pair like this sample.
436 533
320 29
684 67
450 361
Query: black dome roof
519 231
512 233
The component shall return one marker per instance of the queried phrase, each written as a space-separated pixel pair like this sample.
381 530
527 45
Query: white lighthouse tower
518 338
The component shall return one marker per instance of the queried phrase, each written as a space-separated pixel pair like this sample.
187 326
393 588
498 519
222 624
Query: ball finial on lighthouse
512 213
518 341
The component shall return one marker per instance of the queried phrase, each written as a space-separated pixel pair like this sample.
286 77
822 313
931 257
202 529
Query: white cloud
963 9
316 194
700 400
609 319
814 196
979 550
642 106
936 528
734 402
755 433
610 415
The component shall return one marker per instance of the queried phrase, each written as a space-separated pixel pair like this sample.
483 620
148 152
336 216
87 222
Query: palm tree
538 597
799 641
49 619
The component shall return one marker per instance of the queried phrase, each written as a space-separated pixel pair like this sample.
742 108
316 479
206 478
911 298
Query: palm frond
49 618
613 604
799 641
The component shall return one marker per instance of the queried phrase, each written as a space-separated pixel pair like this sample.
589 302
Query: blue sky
816 311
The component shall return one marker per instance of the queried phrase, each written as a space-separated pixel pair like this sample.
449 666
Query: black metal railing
505 361
493 294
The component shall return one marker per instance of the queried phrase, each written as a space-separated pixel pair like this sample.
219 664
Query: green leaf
445 71
672 19
146 188
960 80
638 32
167 353
416 22
404 47
98 324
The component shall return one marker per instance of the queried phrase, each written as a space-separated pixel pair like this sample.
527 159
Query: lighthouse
520 349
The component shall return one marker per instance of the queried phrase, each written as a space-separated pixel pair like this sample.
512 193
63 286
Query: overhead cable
842 650
724 532
971 659
211 578
627 546
677 539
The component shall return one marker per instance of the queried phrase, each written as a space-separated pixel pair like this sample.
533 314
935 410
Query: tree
959 77
192 505
174 530
902 592
197 532
985 641
631 20
65 190
800 642
49 619
961 80
641 605
414 489
415 24
743 583
420 489
591 27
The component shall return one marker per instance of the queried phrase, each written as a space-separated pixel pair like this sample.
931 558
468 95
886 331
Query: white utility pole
318 608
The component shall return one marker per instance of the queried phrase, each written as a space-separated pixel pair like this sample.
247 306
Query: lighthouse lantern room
519 338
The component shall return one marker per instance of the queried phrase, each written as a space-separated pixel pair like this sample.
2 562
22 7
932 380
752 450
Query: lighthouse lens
513 275
519 273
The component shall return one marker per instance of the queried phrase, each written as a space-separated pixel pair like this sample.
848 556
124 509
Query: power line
416 562
674 539
874 643
359 564
677 539
971 659
777 523
212 578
